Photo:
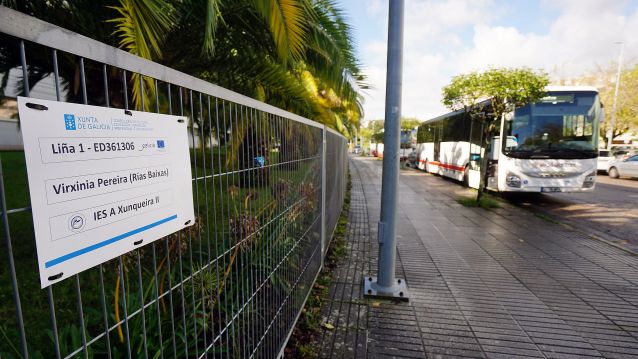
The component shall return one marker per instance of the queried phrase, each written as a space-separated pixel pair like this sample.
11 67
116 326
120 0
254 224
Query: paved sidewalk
497 284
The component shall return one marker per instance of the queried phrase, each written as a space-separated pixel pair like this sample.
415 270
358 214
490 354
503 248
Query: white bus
551 145
405 147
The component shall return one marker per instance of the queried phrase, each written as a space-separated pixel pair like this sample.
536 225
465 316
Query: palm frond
286 20
331 58
213 14
141 28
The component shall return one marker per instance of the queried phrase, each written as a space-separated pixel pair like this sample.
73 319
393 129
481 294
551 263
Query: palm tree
294 54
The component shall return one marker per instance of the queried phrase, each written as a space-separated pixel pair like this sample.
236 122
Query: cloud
445 38
374 7
577 41
429 28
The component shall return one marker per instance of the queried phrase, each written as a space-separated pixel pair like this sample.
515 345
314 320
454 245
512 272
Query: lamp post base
398 291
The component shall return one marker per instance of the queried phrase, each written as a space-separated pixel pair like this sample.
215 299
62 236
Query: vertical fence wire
77 276
206 224
51 300
223 205
243 271
121 262
181 259
107 336
168 256
141 292
155 269
190 240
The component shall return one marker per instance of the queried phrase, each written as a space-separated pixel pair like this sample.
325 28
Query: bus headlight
513 180
590 180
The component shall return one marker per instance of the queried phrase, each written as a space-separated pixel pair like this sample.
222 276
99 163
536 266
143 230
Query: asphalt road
610 211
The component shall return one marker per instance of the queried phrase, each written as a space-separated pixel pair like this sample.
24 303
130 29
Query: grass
302 343
487 202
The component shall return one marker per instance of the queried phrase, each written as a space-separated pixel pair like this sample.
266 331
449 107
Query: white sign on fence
102 182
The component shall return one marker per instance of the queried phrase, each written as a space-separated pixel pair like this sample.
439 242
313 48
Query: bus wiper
562 149
544 149
577 150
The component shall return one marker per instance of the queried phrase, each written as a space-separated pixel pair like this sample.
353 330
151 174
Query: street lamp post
610 132
386 284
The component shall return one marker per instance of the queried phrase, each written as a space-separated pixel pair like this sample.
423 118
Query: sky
444 38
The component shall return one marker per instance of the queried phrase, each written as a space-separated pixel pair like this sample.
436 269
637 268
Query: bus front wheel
466 176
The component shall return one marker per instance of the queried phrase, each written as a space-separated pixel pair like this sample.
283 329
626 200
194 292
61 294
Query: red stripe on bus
444 165
448 166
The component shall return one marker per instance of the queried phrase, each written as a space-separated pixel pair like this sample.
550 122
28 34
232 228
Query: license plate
550 189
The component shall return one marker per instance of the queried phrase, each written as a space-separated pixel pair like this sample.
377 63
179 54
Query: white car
604 157
627 167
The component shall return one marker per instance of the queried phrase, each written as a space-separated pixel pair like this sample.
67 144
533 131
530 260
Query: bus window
563 125
437 140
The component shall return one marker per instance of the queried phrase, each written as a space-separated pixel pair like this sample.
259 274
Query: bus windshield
560 125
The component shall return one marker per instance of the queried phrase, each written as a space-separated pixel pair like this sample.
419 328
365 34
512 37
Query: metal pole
386 285
610 132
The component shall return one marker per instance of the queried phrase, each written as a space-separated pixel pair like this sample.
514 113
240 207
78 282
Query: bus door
476 132
492 152
476 151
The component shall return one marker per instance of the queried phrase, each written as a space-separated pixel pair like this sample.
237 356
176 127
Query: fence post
386 285
324 243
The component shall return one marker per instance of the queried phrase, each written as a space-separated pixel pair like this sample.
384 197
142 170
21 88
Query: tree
377 137
376 125
488 96
409 123
297 55
406 124
627 106
364 134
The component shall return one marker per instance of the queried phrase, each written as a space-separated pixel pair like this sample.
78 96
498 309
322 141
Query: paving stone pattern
489 284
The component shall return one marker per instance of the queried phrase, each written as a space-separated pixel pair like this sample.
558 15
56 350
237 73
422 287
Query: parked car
357 149
626 167
604 157
623 152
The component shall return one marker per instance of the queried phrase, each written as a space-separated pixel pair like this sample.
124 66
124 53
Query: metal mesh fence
232 285
336 172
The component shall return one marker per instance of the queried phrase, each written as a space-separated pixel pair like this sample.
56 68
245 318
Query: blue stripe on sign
93 247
